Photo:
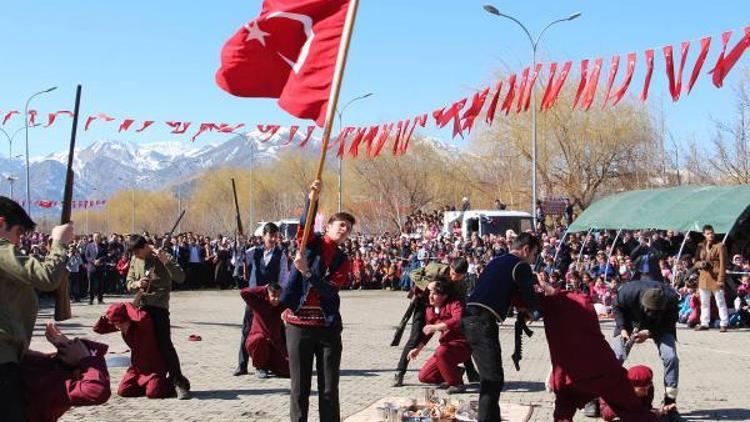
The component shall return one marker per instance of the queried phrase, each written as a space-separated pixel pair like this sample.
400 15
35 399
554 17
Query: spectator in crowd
712 264
74 270
96 251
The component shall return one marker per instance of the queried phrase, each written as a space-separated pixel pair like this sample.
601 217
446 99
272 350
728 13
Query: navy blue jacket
498 285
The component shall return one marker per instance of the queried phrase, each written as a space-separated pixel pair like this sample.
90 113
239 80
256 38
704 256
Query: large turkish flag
288 52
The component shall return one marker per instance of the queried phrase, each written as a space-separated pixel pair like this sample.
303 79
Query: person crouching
443 315
641 377
147 373
264 343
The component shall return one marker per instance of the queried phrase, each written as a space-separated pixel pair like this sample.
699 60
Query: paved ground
713 377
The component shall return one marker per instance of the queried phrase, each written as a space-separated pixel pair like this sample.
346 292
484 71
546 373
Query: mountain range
106 166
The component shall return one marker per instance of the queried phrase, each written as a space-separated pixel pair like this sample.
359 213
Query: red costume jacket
51 387
450 314
266 318
569 323
147 374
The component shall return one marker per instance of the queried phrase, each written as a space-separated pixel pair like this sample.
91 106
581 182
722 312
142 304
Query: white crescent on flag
255 33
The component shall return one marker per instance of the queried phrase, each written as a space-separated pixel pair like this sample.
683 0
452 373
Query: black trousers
96 285
74 281
324 345
163 333
12 401
417 324
480 327
247 322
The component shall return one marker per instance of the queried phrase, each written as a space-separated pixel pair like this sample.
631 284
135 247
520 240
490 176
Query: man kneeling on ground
147 373
443 315
265 344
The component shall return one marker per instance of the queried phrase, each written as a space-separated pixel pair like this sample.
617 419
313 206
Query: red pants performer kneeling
74 376
583 364
147 374
443 315
264 343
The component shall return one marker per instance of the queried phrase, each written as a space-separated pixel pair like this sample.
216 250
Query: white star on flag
255 33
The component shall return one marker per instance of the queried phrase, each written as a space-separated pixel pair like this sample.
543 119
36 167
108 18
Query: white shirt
267 255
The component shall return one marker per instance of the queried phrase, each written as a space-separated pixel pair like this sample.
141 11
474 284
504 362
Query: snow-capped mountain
106 166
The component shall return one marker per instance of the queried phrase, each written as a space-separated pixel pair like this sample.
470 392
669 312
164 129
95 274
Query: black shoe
182 386
456 389
592 409
101 302
91 302
239 371
442 386
398 379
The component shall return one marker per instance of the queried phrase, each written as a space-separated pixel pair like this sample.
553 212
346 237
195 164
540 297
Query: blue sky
156 59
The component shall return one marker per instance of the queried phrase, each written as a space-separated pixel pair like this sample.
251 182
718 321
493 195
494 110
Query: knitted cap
654 299
640 376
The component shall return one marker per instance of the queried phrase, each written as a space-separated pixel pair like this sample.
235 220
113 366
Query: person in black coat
646 309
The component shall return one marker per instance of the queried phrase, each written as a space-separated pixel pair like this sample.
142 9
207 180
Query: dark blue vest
266 274
295 294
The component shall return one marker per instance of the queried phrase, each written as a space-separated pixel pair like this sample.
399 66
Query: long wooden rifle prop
62 296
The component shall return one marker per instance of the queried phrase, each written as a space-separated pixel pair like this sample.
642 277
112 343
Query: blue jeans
666 344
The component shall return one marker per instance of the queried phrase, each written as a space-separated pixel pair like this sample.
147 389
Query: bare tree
731 155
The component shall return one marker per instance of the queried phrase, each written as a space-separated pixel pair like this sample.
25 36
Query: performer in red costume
74 376
641 378
580 374
264 343
147 374
443 316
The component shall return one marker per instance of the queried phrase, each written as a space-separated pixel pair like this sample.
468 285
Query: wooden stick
237 208
62 297
333 99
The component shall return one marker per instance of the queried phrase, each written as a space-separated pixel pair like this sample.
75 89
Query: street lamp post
534 44
10 139
26 126
10 178
340 114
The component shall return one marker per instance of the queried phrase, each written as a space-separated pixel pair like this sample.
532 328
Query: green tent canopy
684 208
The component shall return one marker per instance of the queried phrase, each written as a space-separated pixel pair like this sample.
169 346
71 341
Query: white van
487 222
287 227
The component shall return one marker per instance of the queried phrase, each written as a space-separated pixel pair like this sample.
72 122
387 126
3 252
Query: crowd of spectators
595 263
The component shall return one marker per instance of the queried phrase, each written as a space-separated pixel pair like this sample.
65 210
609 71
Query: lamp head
574 16
491 9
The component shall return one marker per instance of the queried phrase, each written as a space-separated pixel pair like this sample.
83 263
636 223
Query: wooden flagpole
333 99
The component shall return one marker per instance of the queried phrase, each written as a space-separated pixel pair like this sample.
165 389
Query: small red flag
626 80
614 65
705 44
649 72
725 64
288 52
549 101
8 115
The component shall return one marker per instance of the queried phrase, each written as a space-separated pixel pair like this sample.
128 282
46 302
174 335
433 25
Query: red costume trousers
153 386
442 367
613 388
267 357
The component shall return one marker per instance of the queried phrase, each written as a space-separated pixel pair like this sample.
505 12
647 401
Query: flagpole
338 76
